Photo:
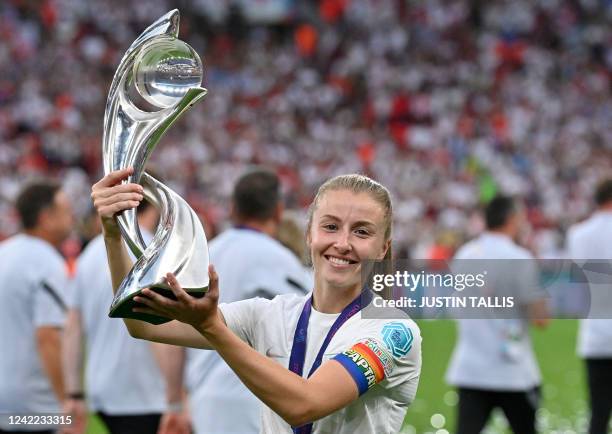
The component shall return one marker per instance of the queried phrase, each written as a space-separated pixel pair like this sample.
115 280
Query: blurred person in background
493 364
33 290
592 240
252 263
135 387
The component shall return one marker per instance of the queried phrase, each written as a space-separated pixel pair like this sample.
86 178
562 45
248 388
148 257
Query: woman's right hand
201 313
110 197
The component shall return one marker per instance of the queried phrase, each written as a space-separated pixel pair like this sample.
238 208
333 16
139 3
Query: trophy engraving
158 79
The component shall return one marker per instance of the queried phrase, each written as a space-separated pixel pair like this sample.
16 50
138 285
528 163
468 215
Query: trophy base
125 308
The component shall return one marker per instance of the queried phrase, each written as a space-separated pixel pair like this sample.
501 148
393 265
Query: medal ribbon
298 350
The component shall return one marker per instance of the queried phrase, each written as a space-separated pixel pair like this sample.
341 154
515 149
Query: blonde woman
314 360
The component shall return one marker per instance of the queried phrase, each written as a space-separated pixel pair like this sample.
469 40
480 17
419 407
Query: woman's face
346 229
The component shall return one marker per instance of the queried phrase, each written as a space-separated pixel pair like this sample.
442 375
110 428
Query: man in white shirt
251 263
493 364
124 383
32 306
592 240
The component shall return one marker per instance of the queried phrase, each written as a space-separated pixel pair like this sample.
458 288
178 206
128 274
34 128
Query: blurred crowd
446 102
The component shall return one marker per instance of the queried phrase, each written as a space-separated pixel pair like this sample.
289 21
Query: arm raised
297 400
110 196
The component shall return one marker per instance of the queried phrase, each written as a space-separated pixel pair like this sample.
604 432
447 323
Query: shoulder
391 331
258 262
286 302
40 253
251 317
262 306
385 351
520 252
470 249
13 250
9 243
579 230
492 247
94 255
272 250
259 246
94 248
400 336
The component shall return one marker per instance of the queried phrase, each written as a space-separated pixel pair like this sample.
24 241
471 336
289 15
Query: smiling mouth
339 261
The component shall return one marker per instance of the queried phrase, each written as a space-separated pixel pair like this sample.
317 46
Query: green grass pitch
563 406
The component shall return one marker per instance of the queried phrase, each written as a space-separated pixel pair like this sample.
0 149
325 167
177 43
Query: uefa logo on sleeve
398 338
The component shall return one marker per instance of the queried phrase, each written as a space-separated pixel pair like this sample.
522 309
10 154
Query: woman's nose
343 242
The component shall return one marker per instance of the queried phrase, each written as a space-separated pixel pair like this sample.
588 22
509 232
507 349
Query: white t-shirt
592 239
121 376
32 294
383 357
496 354
249 264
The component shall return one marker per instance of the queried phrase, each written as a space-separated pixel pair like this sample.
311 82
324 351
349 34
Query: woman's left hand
201 313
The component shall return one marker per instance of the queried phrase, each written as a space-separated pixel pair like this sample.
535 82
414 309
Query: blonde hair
291 235
357 183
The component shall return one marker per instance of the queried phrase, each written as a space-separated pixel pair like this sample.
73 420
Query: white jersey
33 284
249 264
497 354
383 356
121 375
592 239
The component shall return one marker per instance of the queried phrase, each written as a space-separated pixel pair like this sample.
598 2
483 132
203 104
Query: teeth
338 261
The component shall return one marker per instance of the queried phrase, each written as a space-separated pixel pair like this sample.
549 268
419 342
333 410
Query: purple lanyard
298 350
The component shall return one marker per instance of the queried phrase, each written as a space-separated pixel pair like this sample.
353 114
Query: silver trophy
158 80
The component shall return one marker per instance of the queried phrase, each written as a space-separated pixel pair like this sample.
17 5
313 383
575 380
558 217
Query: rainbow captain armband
367 362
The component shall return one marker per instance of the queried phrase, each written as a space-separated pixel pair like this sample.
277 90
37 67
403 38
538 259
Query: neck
333 300
268 227
39 233
606 207
506 231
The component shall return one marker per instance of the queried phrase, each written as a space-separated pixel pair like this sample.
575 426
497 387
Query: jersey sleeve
50 297
389 354
528 282
266 279
241 317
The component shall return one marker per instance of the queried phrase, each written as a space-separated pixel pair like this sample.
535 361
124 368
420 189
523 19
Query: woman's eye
362 232
330 227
